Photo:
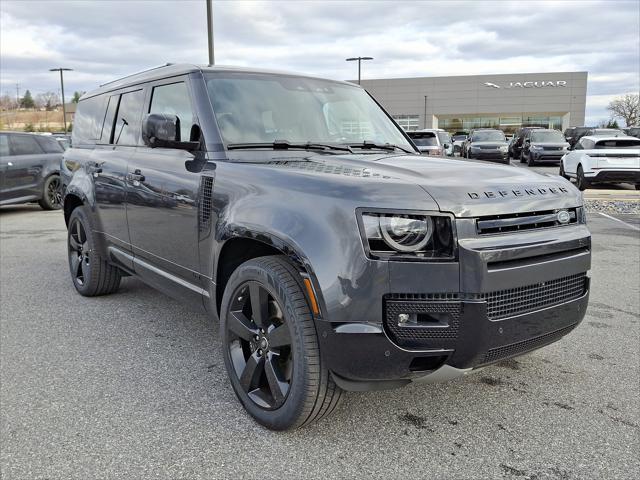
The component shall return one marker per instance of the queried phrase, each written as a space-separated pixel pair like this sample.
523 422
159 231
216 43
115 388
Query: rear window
49 145
621 143
24 145
424 139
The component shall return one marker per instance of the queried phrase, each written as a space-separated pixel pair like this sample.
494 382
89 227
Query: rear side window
24 145
109 118
128 120
4 145
173 99
87 123
49 145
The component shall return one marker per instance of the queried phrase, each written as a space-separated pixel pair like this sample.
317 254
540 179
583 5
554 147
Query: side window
128 120
173 99
109 117
578 145
87 123
4 145
24 145
49 145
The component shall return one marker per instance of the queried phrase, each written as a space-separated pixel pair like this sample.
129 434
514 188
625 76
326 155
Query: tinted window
87 123
109 117
127 129
424 139
174 100
49 144
4 145
24 145
621 143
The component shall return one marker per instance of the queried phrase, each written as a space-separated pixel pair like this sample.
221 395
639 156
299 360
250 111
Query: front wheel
51 194
562 173
530 161
270 346
92 275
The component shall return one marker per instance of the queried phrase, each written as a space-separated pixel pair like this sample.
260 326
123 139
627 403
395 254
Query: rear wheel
270 346
90 272
582 182
51 194
562 172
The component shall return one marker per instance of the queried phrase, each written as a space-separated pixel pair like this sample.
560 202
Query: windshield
444 137
424 139
489 136
263 108
621 143
459 138
547 136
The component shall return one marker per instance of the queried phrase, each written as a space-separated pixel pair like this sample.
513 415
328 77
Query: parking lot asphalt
133 385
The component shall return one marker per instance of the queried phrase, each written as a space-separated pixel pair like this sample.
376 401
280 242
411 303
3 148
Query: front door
162 207
22 168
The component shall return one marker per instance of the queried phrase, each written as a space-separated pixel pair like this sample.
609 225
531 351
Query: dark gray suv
29 169
296 211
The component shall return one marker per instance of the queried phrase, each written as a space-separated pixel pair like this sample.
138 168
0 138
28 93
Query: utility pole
17 96
359 59
210 30
64 110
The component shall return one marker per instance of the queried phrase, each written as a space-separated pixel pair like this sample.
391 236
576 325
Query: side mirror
163 130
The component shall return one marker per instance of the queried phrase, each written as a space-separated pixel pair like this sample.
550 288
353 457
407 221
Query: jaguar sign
536 84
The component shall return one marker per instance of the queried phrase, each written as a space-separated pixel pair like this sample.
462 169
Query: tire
90 272
637 186
582 183
51 194
530 161
521 156
304 391
562 172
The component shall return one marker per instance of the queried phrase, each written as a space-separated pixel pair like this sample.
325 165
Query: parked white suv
603 160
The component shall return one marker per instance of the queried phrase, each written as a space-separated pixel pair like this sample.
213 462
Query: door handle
136 177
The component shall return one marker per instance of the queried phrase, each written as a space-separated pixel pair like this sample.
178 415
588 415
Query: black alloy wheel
259 345
270 346
52 194
92 275
582 183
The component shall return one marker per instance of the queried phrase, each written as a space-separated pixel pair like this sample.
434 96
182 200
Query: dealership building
551 100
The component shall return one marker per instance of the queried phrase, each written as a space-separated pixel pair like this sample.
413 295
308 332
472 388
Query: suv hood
465 188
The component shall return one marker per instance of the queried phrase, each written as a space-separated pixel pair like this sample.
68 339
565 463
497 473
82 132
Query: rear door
22 169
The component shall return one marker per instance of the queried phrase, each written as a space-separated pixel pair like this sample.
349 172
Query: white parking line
632 227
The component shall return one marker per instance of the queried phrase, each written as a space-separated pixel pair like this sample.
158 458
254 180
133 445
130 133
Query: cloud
102 40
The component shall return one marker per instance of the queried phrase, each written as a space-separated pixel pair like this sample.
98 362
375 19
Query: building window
408 122
508 124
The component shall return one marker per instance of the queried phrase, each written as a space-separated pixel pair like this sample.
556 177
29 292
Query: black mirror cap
163 130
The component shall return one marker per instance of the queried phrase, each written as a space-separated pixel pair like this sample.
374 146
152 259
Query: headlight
504 148
565 148
407 236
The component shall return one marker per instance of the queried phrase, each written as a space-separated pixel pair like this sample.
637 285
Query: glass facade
509 124
408 122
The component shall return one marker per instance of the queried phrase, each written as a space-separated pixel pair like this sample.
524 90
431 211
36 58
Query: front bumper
547 156
482 154
508 295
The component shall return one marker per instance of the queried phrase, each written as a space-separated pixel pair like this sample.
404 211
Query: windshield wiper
286 145
366 145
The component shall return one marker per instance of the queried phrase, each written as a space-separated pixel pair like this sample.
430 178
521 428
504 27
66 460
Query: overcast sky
103 40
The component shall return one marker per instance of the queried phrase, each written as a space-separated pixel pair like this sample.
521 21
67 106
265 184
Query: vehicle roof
424 130
173 70
475 130
596 138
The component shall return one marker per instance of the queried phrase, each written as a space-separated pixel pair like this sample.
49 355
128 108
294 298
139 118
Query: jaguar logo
521 192
535 84
563 217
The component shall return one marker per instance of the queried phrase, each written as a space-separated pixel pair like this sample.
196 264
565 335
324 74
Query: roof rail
137 73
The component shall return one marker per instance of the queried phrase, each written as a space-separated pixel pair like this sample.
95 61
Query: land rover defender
298 213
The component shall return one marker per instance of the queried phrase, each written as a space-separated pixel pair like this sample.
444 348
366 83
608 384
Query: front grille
431 320
506 351
517 222
520 300
553 149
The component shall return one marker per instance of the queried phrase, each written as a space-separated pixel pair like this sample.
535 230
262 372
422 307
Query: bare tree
7 102
47 100
626 107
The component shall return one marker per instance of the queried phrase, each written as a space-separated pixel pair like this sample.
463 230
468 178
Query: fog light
403 318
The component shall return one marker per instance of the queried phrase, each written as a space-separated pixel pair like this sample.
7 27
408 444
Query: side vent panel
204 210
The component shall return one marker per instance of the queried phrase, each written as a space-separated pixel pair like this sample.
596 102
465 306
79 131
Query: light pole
210 29
359 59
425 111
64 109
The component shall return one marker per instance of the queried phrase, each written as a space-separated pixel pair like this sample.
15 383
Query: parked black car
487 144
575 134
542 145
297 212
29 169
515 146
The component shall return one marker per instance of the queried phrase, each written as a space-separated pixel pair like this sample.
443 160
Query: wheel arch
71 202
237 249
